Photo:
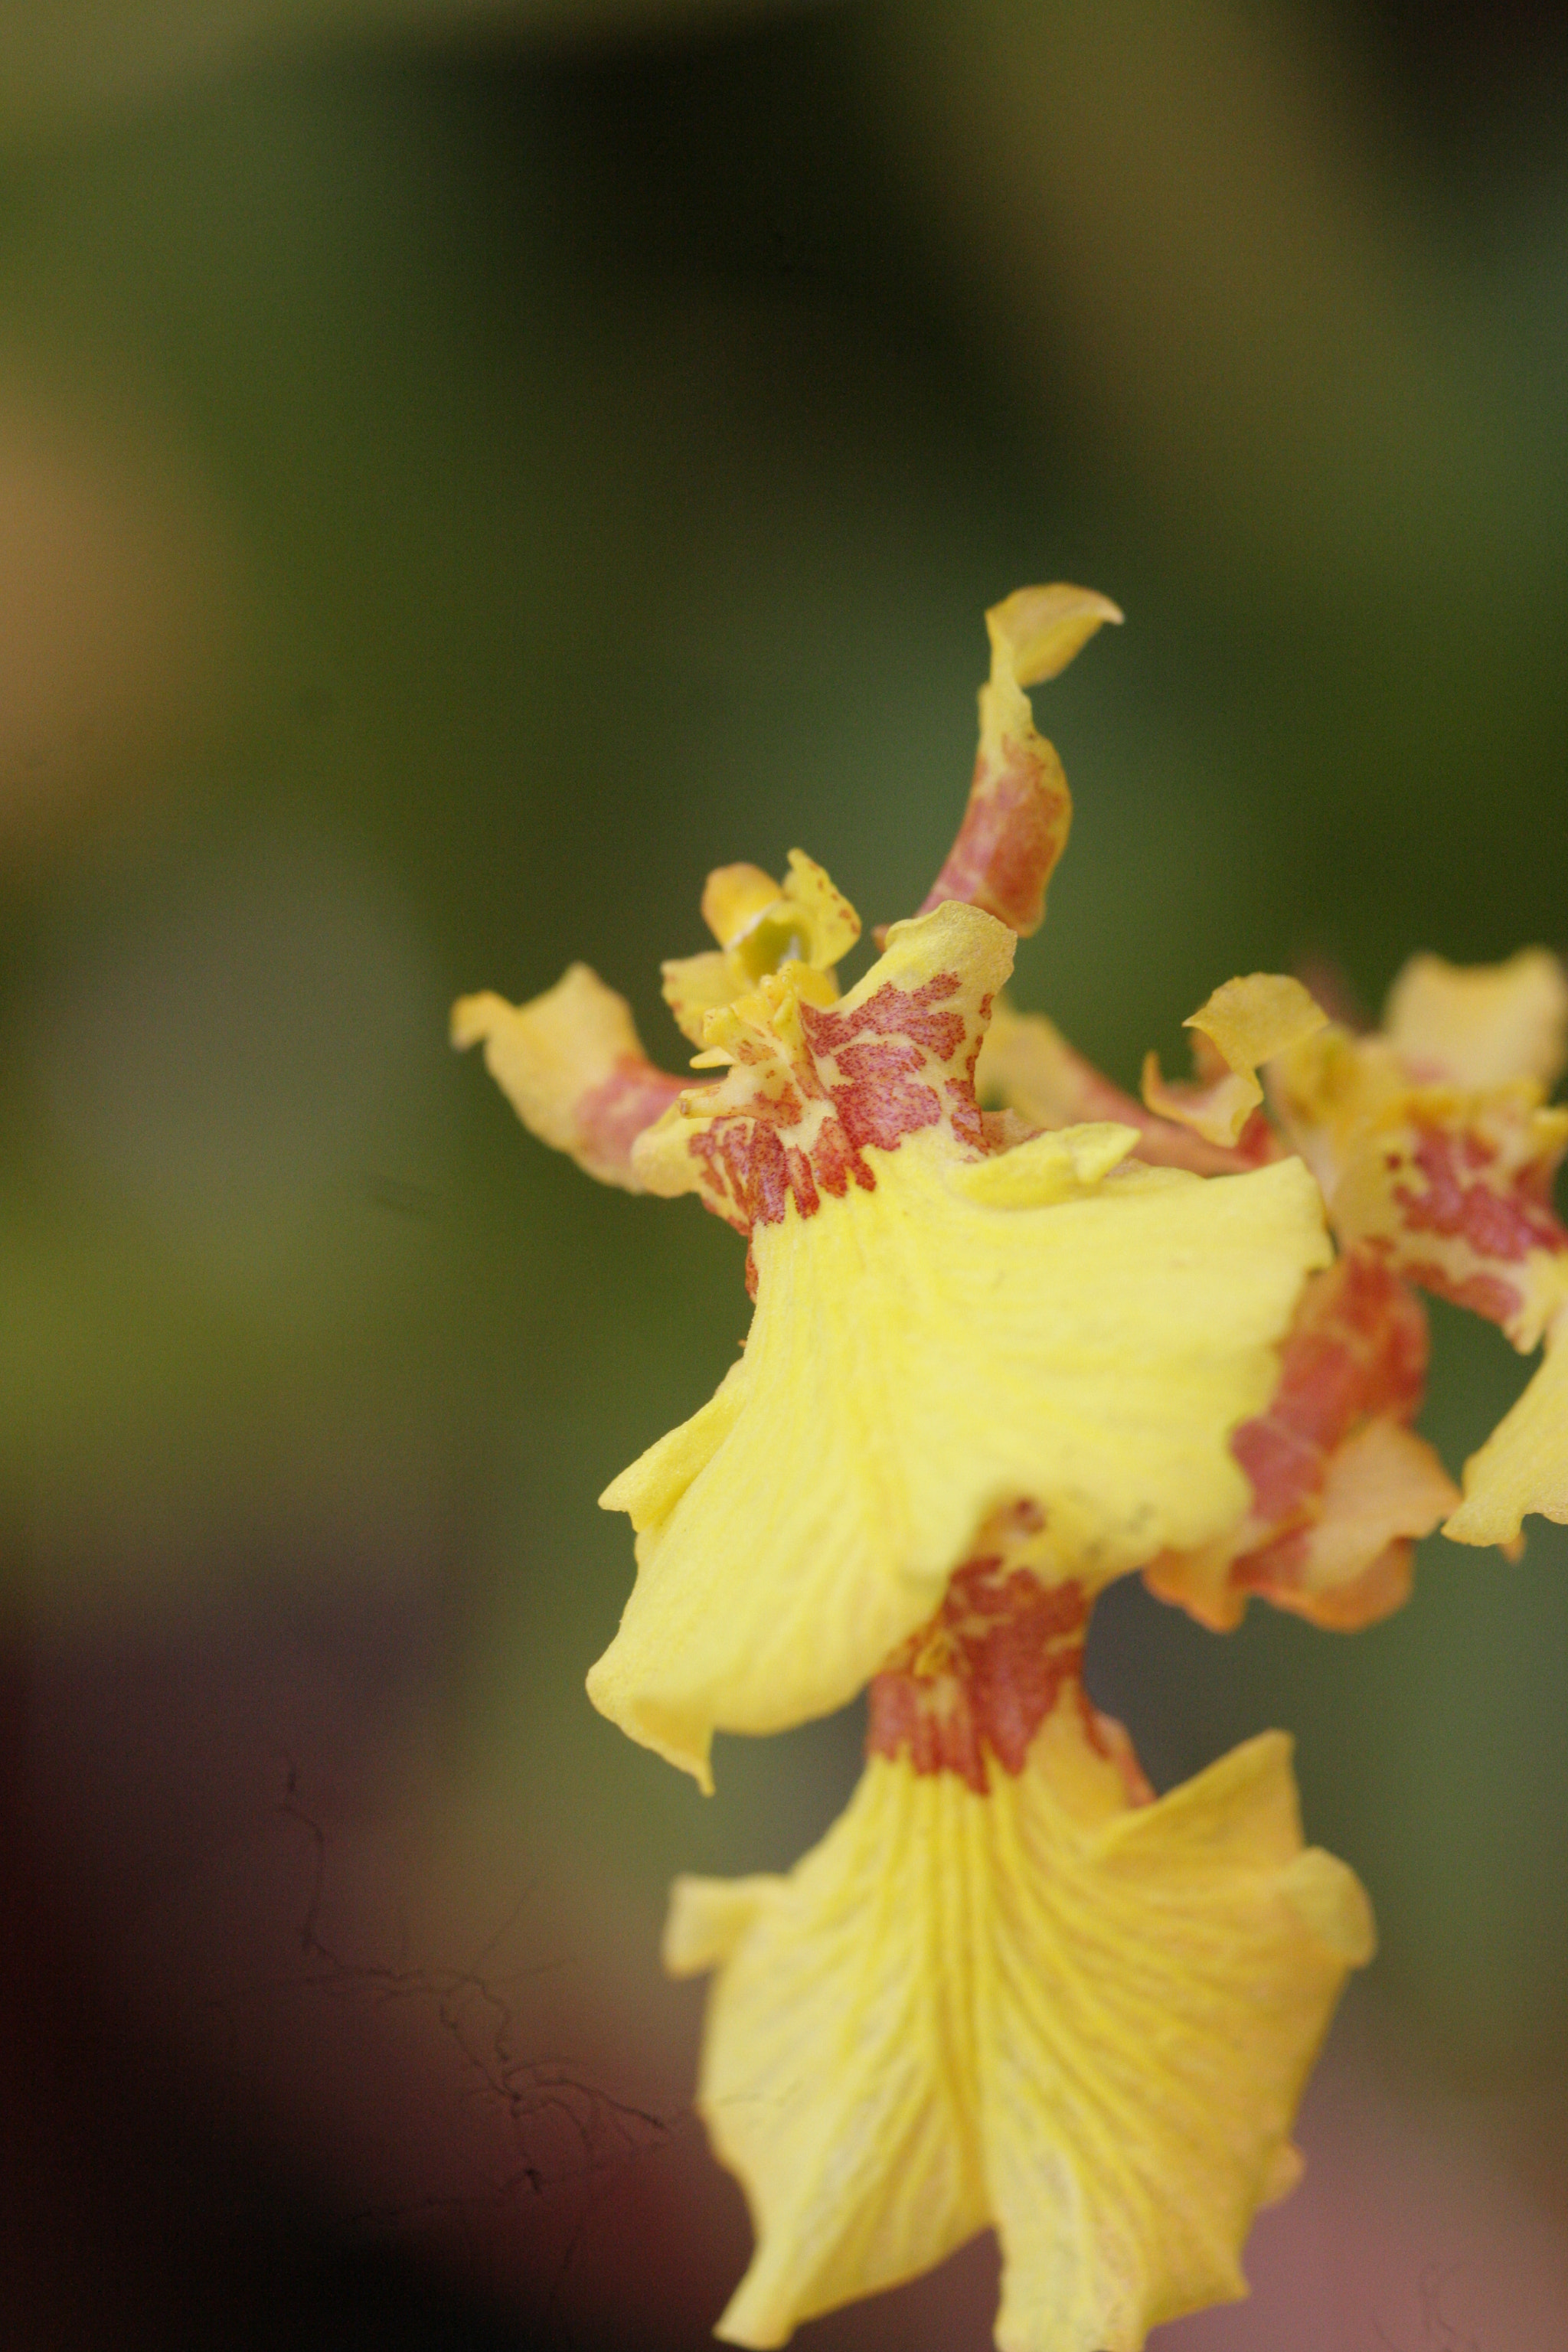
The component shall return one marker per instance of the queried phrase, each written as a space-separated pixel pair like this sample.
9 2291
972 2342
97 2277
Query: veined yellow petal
1481 1025
1523 1466
918 1357
1248 1022
1085 2023
570 1064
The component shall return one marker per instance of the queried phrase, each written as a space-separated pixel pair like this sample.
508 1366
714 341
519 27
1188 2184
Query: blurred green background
464 472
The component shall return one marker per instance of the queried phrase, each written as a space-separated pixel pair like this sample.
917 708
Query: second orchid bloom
1016 1334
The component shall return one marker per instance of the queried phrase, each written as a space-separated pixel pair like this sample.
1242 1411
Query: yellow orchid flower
999 1355
952 1315
1011 1987
939 1330
1435 1151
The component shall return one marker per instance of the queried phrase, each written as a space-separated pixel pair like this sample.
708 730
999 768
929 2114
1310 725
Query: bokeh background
464 471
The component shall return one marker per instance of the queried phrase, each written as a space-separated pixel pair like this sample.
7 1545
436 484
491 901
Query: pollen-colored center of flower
981 1677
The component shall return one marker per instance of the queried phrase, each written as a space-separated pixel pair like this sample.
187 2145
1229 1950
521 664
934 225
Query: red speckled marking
1482 1203
1355 1354
612 1115
982 1677
1014 828
1505 1224
883 1070
1357 1349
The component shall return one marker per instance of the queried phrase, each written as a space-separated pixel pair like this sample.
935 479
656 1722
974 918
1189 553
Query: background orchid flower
1436 1151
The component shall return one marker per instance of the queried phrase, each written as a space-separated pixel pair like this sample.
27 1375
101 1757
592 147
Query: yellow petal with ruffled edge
1084 2023
1523 1466
951 1332
919 1356
570 1064
825 921
1247 1021
1481 1025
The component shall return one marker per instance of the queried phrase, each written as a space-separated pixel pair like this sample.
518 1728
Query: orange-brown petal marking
812 1088
1339 1484
570 1064
1019 809
980 1677
1455 1192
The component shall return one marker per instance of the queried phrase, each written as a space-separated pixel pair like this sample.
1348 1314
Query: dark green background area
615 444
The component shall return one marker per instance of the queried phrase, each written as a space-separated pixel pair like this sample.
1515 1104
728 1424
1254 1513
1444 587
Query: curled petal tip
735 898
473 1018
1246 1023
1019 810
1037 632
